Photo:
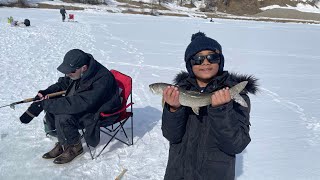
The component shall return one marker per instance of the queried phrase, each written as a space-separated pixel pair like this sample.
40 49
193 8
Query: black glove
33 111
44 92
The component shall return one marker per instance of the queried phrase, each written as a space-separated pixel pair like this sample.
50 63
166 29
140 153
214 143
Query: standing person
204 146
90 89
63 13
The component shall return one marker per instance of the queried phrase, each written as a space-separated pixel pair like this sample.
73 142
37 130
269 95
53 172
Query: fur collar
230 78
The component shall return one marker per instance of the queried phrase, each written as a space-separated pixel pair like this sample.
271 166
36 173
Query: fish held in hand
195 100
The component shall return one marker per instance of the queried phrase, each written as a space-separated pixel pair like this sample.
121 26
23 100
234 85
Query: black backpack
27 22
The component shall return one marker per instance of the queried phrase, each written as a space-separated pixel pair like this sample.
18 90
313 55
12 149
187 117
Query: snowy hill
285 117
202 8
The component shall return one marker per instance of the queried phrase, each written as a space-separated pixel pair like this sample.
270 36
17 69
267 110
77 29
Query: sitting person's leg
68 137
49 125
50 129
67 129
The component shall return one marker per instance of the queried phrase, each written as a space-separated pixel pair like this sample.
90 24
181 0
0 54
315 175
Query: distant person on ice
10 19
204 146
90 89
63 13
25 23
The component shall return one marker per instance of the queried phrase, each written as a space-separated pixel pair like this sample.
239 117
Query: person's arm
174 118
84 101
230 125
61 85
174 123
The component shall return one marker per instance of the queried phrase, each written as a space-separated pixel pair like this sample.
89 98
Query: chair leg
108 141
131 117
87 145
115 137
121 124
132 129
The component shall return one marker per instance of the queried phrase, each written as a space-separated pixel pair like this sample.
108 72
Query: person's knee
63 119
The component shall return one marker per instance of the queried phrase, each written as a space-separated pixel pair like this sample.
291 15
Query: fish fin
238 88
195 110
240 100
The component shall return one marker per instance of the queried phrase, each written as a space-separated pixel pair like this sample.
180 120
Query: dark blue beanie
200 42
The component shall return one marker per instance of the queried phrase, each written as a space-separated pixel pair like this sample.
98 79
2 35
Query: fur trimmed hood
226 79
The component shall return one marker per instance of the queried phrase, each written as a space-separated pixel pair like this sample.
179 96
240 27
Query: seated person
90 89
10 19
25 23
14 23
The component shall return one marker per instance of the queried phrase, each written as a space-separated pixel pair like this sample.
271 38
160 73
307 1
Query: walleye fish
195 100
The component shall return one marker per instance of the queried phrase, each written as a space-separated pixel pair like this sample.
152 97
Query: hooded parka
203 147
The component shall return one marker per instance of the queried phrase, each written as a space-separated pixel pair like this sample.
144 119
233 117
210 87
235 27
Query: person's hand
42 97
171 96
220 97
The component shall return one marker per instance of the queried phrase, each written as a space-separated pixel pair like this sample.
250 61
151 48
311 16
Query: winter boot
55 152
69 153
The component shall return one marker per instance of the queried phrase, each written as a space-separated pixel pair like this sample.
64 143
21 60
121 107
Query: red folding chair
71 17
125 85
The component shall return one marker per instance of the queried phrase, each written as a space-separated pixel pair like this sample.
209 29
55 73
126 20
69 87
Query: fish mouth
152 90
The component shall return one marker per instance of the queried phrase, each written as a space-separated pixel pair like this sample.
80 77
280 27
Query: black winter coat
96 92
204 147
63 11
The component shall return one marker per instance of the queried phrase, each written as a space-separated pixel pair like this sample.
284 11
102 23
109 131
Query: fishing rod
12 105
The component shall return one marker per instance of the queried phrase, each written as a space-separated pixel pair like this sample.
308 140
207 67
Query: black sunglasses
212 58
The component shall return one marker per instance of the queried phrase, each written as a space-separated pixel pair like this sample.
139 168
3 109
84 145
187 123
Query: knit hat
200 42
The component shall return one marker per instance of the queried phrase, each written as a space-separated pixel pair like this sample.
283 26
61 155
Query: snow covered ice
285 115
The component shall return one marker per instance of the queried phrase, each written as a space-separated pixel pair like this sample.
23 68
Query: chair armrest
117 112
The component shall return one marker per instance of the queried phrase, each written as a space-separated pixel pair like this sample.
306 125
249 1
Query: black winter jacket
63 11
204 147
96 92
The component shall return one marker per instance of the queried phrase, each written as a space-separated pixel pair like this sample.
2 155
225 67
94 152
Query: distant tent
27 22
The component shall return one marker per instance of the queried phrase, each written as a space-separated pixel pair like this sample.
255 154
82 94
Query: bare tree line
210 5
90 1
